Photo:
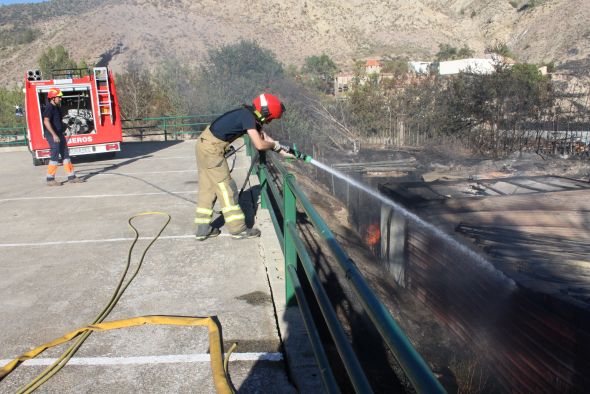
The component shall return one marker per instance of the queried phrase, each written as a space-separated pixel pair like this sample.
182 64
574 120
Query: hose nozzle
298 154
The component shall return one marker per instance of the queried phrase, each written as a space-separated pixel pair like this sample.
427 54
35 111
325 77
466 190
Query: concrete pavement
63 250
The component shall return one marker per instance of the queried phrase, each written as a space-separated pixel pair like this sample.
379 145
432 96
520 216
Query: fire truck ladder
103 93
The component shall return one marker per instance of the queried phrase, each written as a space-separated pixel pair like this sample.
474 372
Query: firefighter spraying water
215 181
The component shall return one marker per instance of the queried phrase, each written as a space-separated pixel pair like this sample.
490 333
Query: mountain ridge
149 31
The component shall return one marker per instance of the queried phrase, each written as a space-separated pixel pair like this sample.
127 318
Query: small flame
373 235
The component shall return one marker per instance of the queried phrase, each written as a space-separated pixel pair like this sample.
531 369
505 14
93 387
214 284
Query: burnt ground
432 340
444 162
457 367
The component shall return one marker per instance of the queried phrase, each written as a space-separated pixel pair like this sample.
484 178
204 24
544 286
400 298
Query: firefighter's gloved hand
278 147
295 152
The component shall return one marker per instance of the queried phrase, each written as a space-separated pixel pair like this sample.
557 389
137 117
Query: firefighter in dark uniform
215 181
53 131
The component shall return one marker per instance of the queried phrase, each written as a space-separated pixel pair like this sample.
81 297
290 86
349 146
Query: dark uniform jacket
53 112
234 124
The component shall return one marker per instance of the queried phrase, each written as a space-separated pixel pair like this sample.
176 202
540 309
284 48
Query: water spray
409 215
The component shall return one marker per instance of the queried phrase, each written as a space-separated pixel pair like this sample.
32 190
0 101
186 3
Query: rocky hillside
149 31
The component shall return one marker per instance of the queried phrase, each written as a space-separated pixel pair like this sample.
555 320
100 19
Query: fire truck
90 111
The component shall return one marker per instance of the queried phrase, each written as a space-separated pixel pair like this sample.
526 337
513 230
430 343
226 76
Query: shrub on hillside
17 36
448 52
57 58
501 49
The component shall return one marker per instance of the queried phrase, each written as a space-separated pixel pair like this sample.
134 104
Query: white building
419 68
343 82
475 66
373 66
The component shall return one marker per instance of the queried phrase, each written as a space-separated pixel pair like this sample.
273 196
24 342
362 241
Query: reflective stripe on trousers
215 183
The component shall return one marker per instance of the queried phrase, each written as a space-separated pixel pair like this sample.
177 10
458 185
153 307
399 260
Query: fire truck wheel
40 162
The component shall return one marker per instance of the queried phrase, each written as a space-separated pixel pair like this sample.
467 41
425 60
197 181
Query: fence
283 208
13 136
164 127
169 127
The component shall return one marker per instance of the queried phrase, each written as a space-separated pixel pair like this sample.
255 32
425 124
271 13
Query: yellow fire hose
218 365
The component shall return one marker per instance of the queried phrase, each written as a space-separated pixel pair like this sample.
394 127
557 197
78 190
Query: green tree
319 71
501 49
465 52
180 84
445 52
9 98
235 73
83 65
448 52
396 66
55 59
291 70
491 105
366 104
139 97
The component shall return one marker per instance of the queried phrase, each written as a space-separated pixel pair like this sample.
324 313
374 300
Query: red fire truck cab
90 111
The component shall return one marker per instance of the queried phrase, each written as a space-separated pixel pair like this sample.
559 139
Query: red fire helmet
269 106
54 92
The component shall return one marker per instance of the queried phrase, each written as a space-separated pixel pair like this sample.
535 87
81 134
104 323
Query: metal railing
13 136
284 205
170 127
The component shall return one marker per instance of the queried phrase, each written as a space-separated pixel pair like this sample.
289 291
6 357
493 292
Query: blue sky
6 2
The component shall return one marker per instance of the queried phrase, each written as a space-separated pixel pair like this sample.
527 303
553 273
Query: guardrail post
165 130
290 251
248 144
262 178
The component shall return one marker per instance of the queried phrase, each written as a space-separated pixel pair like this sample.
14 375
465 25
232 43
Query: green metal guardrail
167 126
284 206
13 136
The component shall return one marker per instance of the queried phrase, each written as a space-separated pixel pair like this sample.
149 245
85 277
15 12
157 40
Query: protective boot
247 233
205 231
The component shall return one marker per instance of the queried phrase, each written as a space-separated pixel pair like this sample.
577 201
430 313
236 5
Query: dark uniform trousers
215 182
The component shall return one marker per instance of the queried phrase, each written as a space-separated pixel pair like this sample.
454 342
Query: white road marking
168 157
165 359
94 196
194 170
124 159
85 241
141 172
